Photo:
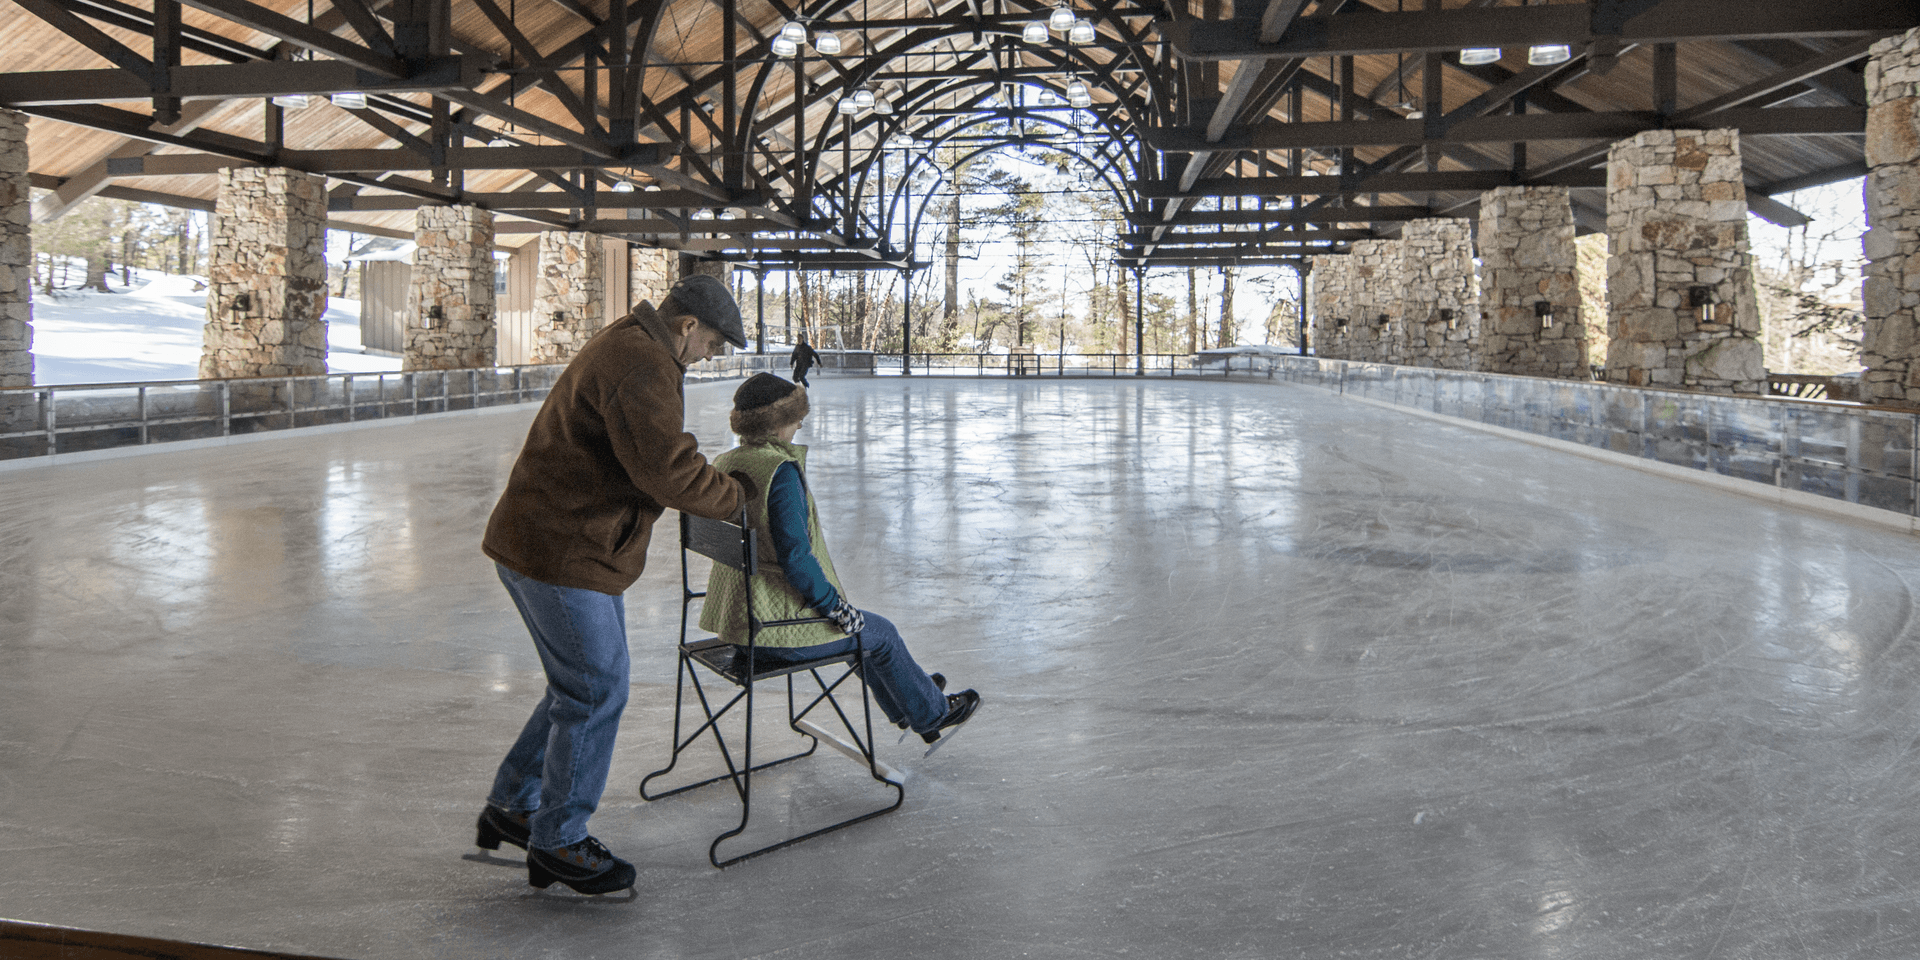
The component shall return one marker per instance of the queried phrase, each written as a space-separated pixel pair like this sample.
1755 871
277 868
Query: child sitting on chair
798 581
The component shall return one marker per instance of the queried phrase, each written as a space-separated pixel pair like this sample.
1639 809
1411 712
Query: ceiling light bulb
1548 54
794 31
848 107
350 100
1061 20
1082 32
827 42
291 101
1475 56
782 47
1035 32
863 99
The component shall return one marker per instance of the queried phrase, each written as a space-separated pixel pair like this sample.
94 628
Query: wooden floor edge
26 940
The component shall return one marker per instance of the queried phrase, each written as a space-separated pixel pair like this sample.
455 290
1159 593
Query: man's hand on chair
846 617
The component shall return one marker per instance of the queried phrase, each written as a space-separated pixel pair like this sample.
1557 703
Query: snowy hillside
151 330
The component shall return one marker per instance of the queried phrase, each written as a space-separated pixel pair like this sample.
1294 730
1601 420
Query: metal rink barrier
1844 451
43 421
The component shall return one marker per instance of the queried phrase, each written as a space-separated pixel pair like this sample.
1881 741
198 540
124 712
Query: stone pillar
568 303
1374 289
718 269
16 254
1528 257
450 304
650 273
1891 292
1332 307
267 273
1439 303
1677 223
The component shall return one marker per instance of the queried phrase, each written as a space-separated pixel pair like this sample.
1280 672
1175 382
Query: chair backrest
733 544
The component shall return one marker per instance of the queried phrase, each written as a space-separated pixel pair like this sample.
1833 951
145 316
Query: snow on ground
151 330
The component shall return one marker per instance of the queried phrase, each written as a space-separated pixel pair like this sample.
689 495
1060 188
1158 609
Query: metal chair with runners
737 545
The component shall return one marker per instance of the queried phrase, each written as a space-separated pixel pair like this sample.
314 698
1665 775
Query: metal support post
760 313
1302 320
1139 322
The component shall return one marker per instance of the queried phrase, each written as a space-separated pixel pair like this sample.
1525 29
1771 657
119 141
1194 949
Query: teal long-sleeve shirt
787 517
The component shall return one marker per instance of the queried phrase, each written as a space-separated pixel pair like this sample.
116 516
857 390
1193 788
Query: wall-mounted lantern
1339 323
1702 299
1384 321
1446 315
559 316
242 303
1543 310
435 313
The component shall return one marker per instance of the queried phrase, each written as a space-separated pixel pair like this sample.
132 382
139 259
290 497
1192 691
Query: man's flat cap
707 300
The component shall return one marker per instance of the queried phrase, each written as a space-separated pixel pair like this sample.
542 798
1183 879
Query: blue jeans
900 687
557 770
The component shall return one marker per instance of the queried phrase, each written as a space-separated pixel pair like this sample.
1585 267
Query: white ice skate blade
950 733
853 753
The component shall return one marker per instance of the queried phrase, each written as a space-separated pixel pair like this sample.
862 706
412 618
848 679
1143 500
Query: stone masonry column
718 269
567 295
1891 292
1677 225
16 254
1439 304
267 272
1527 257
650 273
1332 308
450 306
1374 290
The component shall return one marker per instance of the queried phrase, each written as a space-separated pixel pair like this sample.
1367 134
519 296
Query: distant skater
607 454
767 412
804 357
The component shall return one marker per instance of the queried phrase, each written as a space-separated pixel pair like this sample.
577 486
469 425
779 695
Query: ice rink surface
1267 674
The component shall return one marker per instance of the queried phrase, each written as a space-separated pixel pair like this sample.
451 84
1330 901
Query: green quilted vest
725 612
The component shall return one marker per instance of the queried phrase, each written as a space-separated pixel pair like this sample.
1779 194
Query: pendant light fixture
847 106
624 186
827 42
1078 96
1082 32
1035 32
349 100
882 105
863 99
1061 20
291 101
1548 54
782 47
1477 56
794 31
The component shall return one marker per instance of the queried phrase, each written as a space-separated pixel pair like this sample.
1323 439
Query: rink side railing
1844 451
44 421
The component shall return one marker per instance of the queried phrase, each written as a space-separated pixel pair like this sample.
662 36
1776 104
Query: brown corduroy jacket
606 455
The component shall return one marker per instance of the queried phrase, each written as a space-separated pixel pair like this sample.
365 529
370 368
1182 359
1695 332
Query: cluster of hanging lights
1539 55
345 100
864 99
1061 20
794 33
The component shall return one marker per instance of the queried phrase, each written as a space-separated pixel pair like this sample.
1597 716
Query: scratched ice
1268 674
